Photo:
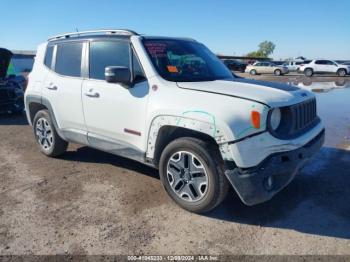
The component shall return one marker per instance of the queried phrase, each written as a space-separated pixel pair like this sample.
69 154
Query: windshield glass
185 61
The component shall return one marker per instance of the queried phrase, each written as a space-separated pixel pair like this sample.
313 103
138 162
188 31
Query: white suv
172 104
324 66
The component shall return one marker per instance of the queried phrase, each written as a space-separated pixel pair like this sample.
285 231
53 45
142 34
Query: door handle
52 87
92 94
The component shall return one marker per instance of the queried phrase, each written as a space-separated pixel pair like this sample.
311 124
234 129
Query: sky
311 28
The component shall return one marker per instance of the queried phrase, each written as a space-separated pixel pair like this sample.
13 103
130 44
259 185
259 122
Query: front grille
296 119
304 114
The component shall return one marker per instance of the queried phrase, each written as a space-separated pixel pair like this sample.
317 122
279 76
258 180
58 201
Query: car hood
5 58
269 93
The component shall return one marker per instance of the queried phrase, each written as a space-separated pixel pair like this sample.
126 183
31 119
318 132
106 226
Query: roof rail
93 32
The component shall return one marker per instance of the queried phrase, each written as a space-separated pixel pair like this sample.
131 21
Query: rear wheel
49 142
308 72
341 72
278 72
253 72
192 174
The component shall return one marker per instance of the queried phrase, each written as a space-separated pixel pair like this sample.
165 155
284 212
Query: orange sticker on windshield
172 69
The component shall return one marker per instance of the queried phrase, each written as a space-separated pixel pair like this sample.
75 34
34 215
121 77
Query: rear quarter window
68 59
48 56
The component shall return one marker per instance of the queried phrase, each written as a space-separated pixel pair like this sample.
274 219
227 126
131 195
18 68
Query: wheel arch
36 103
277 69
165 129
33 109
346 71
169 133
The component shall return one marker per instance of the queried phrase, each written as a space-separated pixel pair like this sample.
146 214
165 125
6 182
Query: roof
105 33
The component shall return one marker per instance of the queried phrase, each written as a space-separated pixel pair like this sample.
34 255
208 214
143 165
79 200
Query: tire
48 141
308 72
277 72
253 72
341 72
209 170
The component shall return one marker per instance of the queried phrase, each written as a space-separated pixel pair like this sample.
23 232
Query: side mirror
118 74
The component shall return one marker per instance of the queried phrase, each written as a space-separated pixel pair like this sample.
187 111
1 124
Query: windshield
185 61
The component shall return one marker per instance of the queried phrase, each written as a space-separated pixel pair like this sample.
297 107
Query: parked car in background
11 86
266 68
277 62
293 66
346 63
235 65
324 66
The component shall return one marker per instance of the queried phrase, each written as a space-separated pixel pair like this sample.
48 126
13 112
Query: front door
115 114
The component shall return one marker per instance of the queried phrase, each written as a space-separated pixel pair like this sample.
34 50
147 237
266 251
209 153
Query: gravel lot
90 202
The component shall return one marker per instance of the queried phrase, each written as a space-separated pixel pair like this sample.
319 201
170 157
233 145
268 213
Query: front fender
204 123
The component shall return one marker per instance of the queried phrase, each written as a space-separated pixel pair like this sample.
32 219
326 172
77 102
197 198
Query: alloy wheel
187 176
44 133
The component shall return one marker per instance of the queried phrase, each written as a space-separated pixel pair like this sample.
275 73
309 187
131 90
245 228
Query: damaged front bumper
258 184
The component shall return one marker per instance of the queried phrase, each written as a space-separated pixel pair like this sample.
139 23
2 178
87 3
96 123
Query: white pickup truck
172 104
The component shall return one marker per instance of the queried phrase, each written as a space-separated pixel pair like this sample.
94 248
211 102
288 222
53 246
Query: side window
330 62
109 53
138 74
319 62
48 56
68 59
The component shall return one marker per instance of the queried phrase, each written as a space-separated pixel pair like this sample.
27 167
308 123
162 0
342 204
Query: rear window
48 56
68 59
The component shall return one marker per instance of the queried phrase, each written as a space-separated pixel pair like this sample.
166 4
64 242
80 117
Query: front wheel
192 174
278 72
341 72
49 142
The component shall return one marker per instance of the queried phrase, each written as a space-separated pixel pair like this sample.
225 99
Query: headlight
275 118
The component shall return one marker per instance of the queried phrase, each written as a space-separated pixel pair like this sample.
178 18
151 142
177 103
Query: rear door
62 86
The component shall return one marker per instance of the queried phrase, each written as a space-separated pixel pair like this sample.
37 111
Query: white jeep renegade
172 104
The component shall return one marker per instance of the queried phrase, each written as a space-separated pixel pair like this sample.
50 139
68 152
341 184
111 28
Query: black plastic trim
251 184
